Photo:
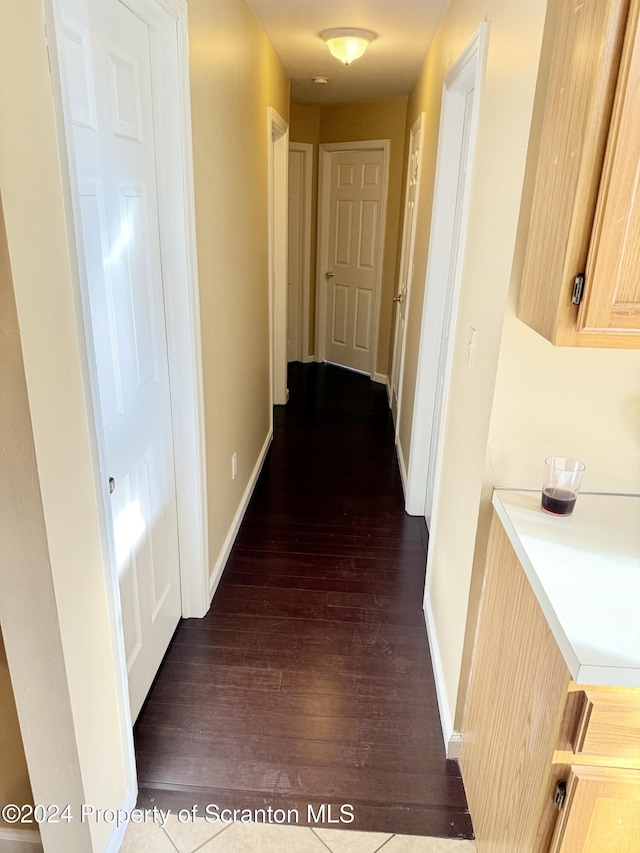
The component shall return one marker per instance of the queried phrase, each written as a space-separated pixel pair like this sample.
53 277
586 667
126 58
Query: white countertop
585 572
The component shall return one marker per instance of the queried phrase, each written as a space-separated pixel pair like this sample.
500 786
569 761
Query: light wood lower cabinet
601 812
528 727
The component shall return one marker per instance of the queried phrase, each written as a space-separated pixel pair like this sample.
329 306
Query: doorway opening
278 148
456 148
299 269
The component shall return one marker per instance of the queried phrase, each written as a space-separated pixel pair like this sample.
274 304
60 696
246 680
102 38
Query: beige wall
235 77
14 776
305 127
579 402
523 399
352 123
504 120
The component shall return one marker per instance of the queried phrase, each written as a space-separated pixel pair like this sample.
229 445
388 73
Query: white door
354 225
402 298
106 58
447 325
294 288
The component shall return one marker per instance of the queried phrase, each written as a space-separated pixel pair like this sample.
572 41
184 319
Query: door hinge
560 794
578 289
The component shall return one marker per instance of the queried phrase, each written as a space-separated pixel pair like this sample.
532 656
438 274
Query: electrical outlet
234 466
471 343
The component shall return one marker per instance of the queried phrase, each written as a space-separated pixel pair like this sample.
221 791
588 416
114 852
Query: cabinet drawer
602 722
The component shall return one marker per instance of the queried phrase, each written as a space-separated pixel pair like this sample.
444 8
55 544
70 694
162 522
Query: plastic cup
561 483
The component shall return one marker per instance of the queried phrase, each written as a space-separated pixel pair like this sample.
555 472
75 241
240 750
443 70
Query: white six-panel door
354 233
107 67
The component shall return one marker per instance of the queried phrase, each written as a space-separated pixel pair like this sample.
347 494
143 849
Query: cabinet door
512 714
612 299
601 813
573 106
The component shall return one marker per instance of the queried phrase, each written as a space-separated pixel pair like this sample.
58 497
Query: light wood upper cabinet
585 215
612 299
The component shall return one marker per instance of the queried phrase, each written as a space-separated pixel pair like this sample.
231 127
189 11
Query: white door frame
472 61
408 247
326 151
306 149
167 20
278 148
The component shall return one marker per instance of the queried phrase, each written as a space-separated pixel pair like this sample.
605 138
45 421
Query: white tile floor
203 837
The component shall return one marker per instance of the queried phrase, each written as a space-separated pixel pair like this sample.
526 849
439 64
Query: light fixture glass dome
347 45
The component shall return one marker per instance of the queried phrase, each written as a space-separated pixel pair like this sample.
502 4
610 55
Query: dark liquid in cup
558 501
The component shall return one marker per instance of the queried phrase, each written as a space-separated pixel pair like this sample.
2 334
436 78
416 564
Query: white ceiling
389 68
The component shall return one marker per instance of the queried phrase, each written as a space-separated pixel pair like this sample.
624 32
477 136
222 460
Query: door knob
329 275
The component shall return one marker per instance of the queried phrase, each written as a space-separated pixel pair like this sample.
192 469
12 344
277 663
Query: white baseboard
221 562
446 722
380 377
454 745
308 359
19 841
402 467
117 836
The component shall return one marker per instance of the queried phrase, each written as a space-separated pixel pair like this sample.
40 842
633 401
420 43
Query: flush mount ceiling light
347 45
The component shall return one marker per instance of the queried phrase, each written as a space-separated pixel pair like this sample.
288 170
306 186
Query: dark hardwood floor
310 681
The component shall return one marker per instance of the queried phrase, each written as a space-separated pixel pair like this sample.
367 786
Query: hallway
309 681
